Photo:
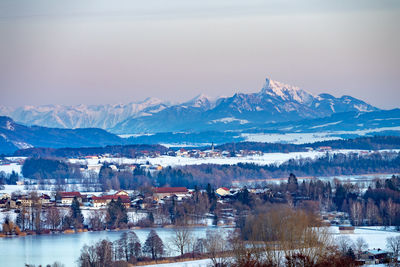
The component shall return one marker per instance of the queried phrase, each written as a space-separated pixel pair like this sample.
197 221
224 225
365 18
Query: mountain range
276 102
277 108
14 136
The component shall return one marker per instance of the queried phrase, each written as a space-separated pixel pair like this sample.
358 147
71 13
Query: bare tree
53 217
344 243
128 246
217 246
96 220
88 257
182 239
393 244
360 245
153 245
104 253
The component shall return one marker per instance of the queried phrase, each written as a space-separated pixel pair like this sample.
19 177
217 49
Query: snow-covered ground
374 237
198 263
293 138
8 189
9 168
267 158
303 138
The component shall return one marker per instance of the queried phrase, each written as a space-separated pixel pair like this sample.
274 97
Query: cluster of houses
212 153
16 201
137 201
95 167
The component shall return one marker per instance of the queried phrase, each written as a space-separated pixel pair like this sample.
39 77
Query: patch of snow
9 168
332 107
196 263
362 108
374 238
9 126
386 119
135 135
22 145
326 124
229 120
295 138
302 138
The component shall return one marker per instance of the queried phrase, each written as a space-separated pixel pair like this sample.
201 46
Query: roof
70 194
377 252
172 190
112 197
44 196
225 188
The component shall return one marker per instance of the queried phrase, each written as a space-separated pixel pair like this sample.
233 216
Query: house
5 196
222 191
26 201
68 197
162 192
182 152
122 193
45 199
3 202
113 167
156 168
346 229
94 167
103 201
130 168
374 256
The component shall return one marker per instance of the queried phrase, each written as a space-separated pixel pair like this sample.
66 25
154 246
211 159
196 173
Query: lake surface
65 248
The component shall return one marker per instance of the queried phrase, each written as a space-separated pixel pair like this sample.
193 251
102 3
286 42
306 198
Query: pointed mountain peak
285 91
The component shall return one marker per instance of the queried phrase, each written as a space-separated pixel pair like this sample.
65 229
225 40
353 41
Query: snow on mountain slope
275 102
286 92
82 116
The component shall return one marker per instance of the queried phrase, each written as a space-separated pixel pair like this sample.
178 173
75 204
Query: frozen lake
65 248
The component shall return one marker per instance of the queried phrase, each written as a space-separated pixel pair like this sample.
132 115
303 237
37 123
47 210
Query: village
151 204
107 192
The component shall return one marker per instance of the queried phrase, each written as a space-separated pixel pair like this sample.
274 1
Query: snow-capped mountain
82 116
275 102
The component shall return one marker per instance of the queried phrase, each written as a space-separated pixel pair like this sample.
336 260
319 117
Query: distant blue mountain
276 102
14 136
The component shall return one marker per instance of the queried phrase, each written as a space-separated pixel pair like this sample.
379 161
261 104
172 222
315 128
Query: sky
109 52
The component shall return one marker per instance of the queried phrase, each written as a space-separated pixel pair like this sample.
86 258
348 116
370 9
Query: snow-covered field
9 168
267 158
293 138
374 237
8 189
303 138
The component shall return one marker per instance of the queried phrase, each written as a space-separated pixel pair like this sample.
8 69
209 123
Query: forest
216 175
133 151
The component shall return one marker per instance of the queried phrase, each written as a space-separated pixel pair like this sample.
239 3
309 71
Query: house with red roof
222 191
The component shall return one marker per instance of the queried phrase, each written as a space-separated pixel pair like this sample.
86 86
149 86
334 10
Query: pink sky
97 52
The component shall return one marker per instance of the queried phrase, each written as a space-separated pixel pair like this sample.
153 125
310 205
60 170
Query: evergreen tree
210 193
116 214
76 214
